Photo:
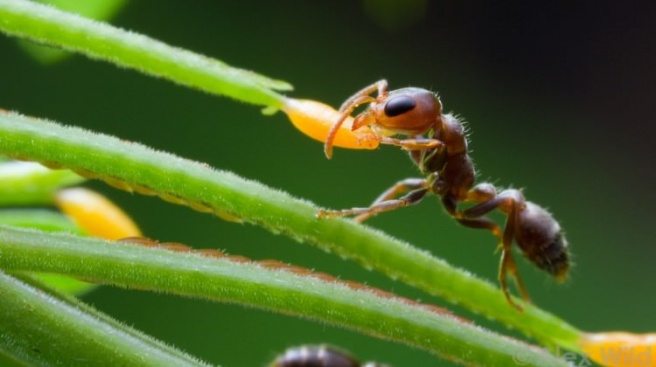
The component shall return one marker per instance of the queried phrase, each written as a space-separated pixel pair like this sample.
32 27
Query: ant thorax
430 161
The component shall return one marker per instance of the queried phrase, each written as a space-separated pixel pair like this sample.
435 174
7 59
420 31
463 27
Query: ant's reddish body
438 146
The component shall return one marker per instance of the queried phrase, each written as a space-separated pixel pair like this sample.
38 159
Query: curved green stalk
251 284
135 167
50 221
47 25
44 329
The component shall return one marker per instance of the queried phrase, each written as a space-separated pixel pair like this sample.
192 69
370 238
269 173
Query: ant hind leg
510 202
473 217
481 223
513 199
507 267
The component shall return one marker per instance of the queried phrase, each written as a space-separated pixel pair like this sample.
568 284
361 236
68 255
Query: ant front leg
352 102
360 97
416 189
510 202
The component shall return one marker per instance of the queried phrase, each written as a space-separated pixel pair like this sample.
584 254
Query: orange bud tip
95 214
620 349
315 120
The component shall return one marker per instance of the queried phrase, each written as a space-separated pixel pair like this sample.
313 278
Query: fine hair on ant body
438 146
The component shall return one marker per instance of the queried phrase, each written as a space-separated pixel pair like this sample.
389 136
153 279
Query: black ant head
539 236
408 111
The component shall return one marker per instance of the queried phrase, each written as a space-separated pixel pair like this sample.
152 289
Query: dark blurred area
559 100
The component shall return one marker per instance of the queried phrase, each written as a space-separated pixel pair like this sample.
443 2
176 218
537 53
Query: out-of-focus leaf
65 284
99 40
94 9
27 183
43 219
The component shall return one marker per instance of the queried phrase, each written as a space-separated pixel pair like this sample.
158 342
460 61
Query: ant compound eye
399 105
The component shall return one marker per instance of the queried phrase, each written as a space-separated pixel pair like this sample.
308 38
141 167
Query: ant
319 356
437 144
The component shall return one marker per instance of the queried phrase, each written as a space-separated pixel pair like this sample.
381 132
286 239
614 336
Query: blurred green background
559 99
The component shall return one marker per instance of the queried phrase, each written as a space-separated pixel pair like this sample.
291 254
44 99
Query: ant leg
360 97
510 202
481 223
380 86
503 276
413 144
521 286
397 189
413 197
483 192
330 138
507 263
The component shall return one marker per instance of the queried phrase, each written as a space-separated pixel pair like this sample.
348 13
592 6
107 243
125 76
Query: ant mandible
438 146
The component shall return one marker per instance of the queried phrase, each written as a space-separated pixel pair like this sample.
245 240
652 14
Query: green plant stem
41 328
49 221
251 284
50 26
135 167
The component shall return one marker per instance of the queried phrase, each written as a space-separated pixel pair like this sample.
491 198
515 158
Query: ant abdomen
541 239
